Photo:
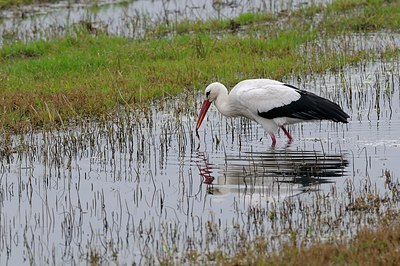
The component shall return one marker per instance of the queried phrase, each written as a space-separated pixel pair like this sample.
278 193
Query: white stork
270 103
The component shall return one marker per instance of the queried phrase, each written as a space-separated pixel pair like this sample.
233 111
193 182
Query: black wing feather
309 107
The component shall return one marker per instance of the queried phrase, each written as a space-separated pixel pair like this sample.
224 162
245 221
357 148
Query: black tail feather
309 107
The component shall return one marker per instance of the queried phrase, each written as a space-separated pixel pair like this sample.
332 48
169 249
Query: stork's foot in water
287 134
290 138
273 141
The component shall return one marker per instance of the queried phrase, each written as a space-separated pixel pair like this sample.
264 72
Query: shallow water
142 185
121 18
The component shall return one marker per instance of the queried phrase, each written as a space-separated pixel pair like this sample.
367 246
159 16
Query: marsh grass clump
369 247
186 26
372 15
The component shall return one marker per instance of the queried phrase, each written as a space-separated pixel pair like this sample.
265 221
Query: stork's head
212 91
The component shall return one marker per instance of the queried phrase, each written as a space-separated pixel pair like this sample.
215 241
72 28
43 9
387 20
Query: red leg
287 134
273 140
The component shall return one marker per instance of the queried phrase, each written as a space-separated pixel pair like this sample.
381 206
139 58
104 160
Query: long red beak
203 111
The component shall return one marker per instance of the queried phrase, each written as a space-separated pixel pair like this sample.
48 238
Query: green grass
45 83
215 25
373 15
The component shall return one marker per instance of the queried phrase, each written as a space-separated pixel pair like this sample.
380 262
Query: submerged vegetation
48 82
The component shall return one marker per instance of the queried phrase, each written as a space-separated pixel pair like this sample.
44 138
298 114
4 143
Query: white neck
224 105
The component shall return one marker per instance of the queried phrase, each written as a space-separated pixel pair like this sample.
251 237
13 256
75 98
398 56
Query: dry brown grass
370 247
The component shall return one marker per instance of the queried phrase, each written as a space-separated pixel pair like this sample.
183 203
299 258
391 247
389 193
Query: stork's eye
207 94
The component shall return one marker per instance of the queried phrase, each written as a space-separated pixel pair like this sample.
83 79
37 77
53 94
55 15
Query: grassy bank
45 83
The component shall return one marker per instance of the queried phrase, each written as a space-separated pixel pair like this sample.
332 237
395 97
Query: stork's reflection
264 172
